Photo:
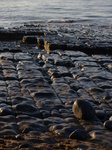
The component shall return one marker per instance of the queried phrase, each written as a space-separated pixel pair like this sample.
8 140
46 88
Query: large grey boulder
83 110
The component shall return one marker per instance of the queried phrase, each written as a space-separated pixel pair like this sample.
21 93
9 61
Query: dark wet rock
108 124
53 120
15 50
27 109
7 118
2 141
2 83
24 118
54 73
102 75
75 53
75 86
33 140
86 83
47 58
40 42
47 85
29 39
78 134
6 56
3 94
12 126
58 60
45 113
27 126
64 71
48 140
39 81
70 119
12 91
34 133
44 93
22 56
21 99
69 129
10 74
3 99
28 74
10 35
60 133
8 132
83 147
100 114
97 134
27 130
57 126
55 113
27 65
19 137
83 110
25 145
47 65
58 80
54 43
108 113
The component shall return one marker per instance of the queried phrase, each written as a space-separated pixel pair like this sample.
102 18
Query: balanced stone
83 110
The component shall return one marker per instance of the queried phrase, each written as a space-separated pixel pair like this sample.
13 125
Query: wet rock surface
40 82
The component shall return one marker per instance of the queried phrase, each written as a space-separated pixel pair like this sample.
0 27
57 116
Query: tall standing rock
83 110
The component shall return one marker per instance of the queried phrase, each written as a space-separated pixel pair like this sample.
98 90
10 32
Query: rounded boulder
83 110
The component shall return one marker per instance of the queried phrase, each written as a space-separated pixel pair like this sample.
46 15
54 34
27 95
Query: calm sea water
14 13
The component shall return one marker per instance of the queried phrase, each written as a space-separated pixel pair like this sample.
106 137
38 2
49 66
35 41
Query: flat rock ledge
56 87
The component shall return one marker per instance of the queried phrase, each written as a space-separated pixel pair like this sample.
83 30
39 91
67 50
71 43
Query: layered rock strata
38 88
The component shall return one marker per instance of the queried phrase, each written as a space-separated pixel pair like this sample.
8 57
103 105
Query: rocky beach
56 87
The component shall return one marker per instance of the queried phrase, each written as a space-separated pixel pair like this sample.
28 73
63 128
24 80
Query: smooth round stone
78 134
108 124
83 110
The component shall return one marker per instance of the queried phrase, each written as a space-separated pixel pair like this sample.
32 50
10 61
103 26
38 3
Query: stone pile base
38 86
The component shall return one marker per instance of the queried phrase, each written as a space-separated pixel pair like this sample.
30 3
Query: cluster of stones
45 94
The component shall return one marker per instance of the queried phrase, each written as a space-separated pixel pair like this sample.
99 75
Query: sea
17 12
